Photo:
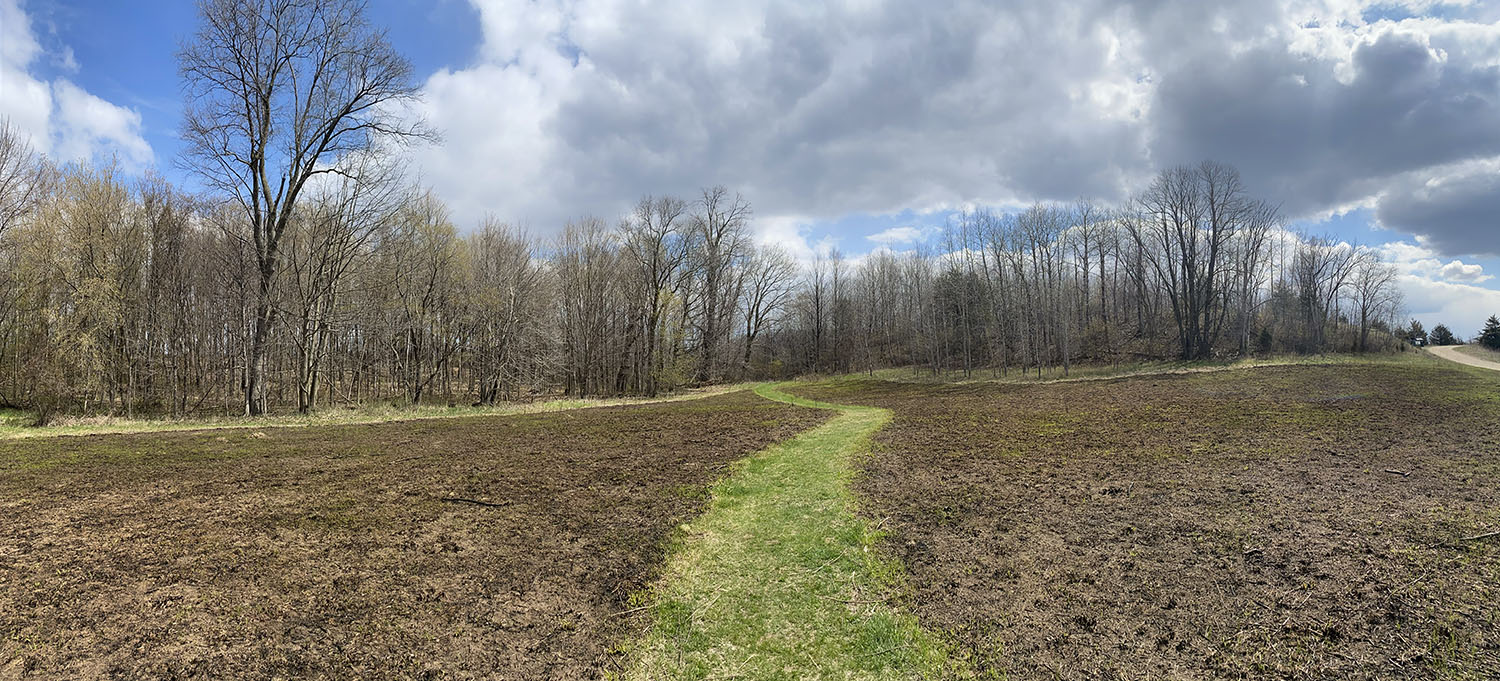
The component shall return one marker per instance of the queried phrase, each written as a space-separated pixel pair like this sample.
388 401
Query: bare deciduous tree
23 176
279 91
770 275
656 249
1375 294
326 238
512 330
720 238
1184 226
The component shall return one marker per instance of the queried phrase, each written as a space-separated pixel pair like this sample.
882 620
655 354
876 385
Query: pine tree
1490 336
1442 336
1415 334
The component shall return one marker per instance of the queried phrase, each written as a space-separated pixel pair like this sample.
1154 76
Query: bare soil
1292 522
496 548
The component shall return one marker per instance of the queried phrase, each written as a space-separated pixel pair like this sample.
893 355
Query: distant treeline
124 295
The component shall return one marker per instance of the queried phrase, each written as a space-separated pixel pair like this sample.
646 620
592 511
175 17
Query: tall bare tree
587 266
770 276
655 248
24 181
425 272
278 92
1321 269
329 235
1184 227
1375 294
512 334
720 237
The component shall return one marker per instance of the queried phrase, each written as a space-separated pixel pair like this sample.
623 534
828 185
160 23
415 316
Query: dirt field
342 552
1293 522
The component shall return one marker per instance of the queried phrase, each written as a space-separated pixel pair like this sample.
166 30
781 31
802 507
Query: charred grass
1281 522
498 548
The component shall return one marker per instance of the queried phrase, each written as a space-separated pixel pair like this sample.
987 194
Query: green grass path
779 579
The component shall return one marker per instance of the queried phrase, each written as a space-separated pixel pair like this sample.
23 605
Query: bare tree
587 267
279 91
1183 227
770 276
325 240
1375 293
23 176
817 306
24 181
1249 249
656 249
1321 269
425 272
720 237
511 339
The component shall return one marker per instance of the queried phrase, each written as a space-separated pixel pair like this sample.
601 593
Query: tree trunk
255 369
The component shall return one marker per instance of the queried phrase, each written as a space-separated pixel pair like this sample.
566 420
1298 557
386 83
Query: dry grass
17 424
1480 352
1093 371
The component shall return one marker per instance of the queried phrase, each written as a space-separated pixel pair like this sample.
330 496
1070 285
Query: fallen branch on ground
855 601
627 612
476 502
1403 474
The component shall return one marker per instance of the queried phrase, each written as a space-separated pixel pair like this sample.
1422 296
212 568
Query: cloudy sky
864 124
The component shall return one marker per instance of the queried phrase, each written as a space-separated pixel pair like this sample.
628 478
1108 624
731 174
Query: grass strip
16 423
779 579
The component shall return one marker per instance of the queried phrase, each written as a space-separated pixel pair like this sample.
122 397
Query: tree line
1488 336
125 295
310 272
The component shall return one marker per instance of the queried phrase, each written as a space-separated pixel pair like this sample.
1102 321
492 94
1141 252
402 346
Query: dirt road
1450 352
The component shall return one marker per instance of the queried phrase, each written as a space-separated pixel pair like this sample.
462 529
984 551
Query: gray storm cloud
820 110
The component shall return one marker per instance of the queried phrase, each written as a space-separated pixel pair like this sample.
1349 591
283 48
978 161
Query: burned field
455 548
1288 522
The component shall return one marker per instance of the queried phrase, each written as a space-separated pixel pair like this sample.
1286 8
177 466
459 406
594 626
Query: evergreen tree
1442 336
1490 336
1415 334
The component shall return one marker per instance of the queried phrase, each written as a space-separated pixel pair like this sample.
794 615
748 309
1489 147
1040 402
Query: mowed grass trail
780 580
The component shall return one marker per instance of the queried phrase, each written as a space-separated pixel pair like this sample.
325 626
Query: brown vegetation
1287 522
455 548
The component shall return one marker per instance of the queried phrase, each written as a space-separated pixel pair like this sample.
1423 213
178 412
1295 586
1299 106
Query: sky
861 124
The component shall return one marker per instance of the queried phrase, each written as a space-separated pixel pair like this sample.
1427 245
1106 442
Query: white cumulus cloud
898 235
61 119
1420 260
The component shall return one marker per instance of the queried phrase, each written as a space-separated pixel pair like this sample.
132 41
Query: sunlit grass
781 580
17 423
1092 371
